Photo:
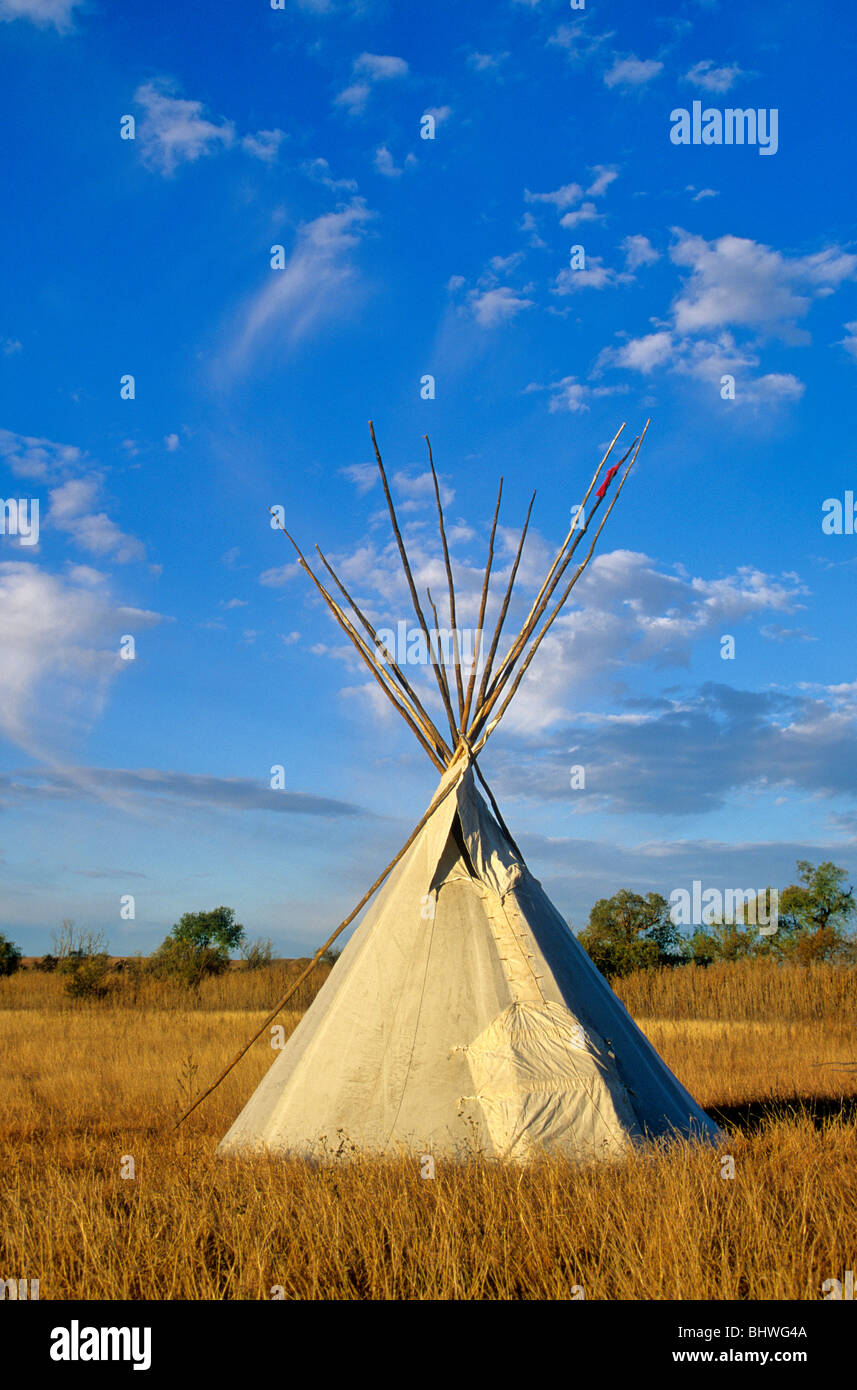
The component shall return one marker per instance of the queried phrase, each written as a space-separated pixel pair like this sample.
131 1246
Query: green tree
738 936
631 932
198 945
10 956
815 915
722 941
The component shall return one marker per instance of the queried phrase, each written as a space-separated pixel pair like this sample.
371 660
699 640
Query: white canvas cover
464 1013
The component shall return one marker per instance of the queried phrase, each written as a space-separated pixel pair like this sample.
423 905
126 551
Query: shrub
10 956
257 954
82 960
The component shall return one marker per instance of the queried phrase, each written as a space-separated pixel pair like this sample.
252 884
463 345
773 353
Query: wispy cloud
712 78
174 131
367 70
60 642
320 172
632 72
494 307
385 163
315 284
57 14
72 509
42 460
228 793
639 251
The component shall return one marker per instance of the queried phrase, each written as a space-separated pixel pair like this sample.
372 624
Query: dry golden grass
746 989
84 1085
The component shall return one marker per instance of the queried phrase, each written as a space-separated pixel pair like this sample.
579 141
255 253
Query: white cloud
734 280
174 131
10 346
577 41
712 78
354 97
368 69
415 490
775 386
58 13
487 62
528 224
386 164
632 72
39 459
264 145
440 113
604 176
171 442
379 68
639 251
317 281
60 644
281 574
706 360
587 212
849 342
493 307
595 276
500 264
702 193
364 476
667 615
72 510
86 575
564 197
319 171
643 354
568 395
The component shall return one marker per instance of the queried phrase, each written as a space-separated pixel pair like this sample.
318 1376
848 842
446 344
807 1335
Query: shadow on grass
752 1115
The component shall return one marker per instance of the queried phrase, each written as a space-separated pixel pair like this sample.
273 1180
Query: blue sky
301 128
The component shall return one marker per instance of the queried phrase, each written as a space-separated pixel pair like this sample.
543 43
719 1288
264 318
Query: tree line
628 932
814 922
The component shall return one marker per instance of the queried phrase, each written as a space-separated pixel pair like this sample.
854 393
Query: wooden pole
459 688
480 744
543 597
504 608
516 650
441 681
468 699
348 627
427 722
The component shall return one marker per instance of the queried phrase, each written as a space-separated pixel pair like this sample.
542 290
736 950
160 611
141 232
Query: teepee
463 1011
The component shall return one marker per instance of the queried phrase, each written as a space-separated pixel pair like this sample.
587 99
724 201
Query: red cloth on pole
611 473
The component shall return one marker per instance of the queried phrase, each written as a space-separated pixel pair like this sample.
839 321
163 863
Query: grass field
771 1052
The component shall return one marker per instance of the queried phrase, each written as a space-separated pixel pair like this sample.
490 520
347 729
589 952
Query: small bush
82 961
10 956
256 954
